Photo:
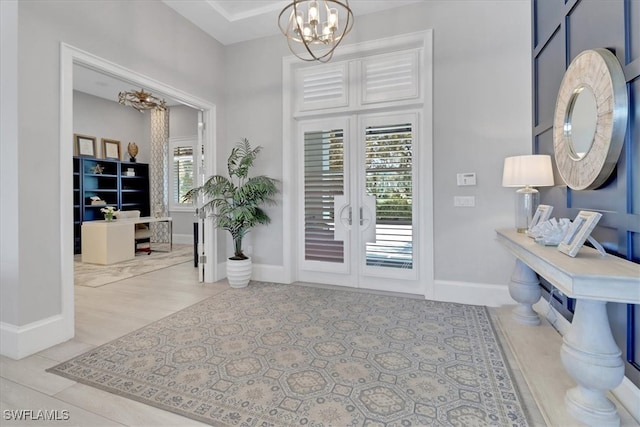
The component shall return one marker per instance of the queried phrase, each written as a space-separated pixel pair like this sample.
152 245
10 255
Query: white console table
589 352
109 242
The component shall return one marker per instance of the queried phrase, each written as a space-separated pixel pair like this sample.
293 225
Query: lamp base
527 201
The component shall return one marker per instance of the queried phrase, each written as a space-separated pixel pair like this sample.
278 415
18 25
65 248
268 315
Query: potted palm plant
235 203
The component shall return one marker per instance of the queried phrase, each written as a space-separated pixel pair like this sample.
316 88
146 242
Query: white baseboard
472 293
17 342
627 394
268 273
261 272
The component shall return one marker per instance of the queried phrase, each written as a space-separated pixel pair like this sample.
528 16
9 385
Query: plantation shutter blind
323 179
183 179
389 169
390 77
321 88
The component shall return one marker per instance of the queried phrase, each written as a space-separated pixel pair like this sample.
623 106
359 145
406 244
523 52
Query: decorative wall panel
548 74
158 170
561 30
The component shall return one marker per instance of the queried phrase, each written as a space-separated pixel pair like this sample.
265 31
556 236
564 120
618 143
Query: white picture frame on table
543 213
579 232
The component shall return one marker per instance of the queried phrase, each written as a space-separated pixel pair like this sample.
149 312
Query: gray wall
146 37
102 118
482 113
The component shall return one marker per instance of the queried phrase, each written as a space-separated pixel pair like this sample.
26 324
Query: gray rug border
518 382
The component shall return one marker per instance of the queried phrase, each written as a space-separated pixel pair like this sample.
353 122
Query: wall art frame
579 232
85 145
110 149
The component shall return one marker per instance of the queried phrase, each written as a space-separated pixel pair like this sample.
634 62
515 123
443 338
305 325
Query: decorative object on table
590 119
141 100
132 149
109 213
97 201
543 213
85 145
97 169
235 203
314 37
527 171
550 232
111 149
579 232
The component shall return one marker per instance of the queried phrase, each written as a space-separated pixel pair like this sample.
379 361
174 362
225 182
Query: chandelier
315 37
141 100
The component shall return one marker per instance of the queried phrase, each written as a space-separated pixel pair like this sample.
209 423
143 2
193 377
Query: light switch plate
464 201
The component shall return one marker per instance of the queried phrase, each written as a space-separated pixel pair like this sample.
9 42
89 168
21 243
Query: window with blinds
389 178
182 173
323 179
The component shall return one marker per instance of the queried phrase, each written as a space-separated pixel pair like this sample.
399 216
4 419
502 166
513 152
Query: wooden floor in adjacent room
110 311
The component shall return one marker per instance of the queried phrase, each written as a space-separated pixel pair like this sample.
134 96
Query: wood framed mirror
590 119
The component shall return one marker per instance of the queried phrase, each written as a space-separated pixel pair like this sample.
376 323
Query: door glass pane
323 179
389 179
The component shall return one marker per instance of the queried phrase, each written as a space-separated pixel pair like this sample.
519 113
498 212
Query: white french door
358 220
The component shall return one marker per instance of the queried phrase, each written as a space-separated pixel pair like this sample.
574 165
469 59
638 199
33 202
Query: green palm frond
235 203
242 158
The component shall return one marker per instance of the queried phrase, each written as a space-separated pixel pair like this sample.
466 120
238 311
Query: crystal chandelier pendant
314 28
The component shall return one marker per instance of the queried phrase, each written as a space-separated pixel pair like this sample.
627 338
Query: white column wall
126 33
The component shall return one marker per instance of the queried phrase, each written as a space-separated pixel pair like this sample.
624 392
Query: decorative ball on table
132 148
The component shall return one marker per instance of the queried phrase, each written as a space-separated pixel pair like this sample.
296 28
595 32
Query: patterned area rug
93 275
289 355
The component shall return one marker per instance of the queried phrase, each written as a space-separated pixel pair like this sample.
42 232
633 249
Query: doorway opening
71 57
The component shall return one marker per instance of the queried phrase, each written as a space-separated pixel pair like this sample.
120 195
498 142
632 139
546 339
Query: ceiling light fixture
315 37
141 100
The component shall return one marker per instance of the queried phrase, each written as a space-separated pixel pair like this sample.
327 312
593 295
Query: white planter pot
238 272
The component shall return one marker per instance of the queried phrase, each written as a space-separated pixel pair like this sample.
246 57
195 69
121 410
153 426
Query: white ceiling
233 21
228 21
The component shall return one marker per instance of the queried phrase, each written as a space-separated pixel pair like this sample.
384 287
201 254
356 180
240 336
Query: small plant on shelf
109 212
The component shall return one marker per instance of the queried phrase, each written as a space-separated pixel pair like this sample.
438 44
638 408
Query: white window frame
181 142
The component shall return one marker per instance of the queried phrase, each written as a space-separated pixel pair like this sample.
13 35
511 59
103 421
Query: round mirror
580 124
590 119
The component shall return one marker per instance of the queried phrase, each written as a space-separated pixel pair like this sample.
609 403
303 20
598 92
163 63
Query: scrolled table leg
524 288
592 358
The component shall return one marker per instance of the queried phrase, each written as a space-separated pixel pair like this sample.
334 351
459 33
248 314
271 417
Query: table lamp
527 171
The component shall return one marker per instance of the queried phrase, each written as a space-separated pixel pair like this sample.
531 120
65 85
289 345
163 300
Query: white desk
109 242
589 352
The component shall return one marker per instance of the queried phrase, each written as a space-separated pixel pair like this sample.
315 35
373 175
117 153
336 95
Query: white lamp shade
530 170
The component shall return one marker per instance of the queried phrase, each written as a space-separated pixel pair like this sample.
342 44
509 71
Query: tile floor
110 311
